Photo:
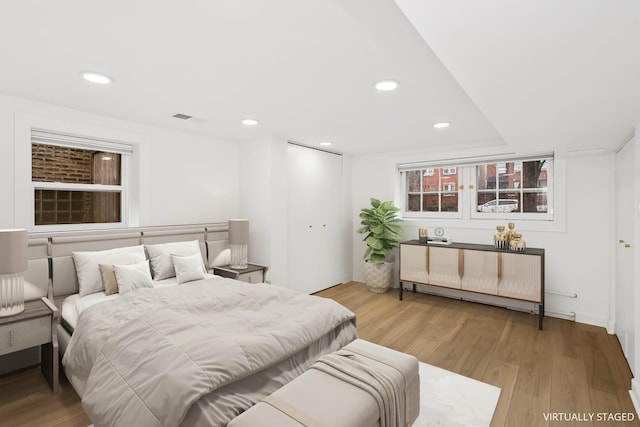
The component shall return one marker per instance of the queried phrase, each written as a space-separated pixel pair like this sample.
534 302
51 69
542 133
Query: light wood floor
568 367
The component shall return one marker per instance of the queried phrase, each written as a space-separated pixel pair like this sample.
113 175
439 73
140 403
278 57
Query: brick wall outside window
52 163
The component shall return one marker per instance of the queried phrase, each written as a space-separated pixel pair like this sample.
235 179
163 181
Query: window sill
488 224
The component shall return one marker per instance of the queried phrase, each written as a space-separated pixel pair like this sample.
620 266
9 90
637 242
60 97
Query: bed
193 353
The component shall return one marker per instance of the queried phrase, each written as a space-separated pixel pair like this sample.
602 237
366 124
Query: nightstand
36 325
254 273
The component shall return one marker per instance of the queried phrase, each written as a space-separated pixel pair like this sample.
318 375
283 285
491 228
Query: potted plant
382 227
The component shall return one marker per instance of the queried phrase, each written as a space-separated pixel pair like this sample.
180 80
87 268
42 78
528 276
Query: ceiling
533 75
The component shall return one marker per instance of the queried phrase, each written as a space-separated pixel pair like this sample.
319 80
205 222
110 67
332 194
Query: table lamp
239 242
13 263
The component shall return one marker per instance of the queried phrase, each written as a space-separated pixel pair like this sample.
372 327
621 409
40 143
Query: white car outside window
501 206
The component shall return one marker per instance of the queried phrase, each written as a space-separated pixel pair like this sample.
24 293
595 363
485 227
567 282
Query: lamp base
11 294
239 256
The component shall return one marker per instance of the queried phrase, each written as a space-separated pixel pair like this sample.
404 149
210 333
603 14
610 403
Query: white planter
378 276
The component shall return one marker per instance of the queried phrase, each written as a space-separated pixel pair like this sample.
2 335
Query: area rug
451 400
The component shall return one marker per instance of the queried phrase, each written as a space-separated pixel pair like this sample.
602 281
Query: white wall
184 178
577 246
263 174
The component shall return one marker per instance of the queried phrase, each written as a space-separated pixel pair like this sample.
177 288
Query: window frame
513 216
122 189
468 194
24 188
438 191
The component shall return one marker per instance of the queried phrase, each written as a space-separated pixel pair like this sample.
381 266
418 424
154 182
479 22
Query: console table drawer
252 277
25 334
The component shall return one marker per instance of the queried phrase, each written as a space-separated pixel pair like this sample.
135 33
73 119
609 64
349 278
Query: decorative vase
510 232
517 244
422 234
378 276
500 238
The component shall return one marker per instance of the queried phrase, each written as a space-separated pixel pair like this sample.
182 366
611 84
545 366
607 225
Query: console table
475 268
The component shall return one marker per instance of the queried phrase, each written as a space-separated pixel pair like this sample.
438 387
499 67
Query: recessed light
96 78
386 85
250 122
326 143
441 125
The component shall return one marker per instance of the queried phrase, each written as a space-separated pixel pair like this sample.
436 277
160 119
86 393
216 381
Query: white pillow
160 257
87 269
132 276
188 268
223 258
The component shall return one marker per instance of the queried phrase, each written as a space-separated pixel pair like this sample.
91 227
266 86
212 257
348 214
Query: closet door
625 290
314 219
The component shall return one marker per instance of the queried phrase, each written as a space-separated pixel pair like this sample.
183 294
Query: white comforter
153 353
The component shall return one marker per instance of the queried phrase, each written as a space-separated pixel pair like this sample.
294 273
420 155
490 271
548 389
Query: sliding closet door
314 219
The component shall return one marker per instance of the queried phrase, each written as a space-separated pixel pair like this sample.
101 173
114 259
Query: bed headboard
51 271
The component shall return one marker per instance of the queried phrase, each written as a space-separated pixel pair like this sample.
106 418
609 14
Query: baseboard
635 394
590 319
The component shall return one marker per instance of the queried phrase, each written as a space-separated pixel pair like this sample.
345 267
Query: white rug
451 400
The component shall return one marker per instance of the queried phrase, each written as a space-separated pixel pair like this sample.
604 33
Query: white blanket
153 353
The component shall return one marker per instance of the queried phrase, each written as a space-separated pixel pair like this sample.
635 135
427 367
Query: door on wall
624 234
314 232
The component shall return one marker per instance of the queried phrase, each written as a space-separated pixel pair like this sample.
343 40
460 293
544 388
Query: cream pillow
160 257
131 277
108 279
89 278
188 268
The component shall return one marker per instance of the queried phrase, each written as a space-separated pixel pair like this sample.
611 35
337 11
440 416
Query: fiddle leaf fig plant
382 227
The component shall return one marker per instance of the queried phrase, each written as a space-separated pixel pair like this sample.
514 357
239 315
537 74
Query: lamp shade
13 251
239 231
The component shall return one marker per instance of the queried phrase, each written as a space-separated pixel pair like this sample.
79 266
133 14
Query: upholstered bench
321 397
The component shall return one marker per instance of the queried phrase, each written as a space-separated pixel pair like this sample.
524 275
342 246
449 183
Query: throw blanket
386 388
152 353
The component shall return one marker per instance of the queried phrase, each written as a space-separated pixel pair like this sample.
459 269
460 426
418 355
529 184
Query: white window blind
472 161
78 141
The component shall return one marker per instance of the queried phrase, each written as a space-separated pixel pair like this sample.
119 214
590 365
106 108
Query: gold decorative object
422 234
510 232
517 244
500 238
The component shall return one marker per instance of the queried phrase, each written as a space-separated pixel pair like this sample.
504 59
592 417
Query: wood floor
568 368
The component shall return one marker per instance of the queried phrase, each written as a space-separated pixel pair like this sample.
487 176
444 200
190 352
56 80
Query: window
449 171
518 187
432 190
77 180
511 188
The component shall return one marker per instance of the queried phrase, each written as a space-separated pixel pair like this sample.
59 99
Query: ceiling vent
182 116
